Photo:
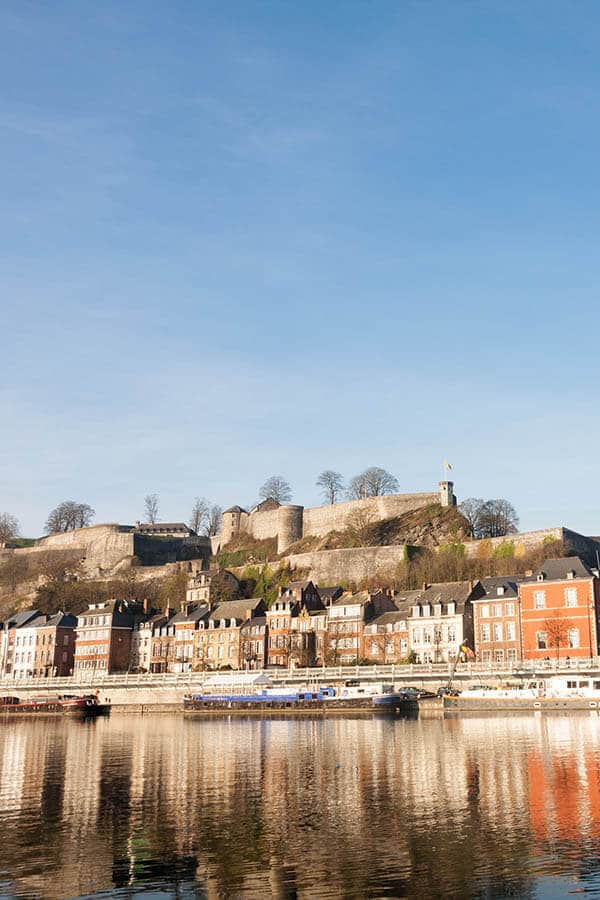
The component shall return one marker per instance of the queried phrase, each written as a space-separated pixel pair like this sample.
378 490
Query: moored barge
82 707
569 693
291 701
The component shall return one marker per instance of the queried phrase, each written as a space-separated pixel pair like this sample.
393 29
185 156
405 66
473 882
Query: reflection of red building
559 611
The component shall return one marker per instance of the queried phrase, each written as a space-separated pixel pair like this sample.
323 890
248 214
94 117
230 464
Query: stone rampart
526 541
350 565
101 546
320 520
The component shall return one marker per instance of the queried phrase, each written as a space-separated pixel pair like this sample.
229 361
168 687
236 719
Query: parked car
446 691
412 693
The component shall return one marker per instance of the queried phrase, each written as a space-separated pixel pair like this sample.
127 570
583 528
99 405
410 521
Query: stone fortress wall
104 549
288 523
358 563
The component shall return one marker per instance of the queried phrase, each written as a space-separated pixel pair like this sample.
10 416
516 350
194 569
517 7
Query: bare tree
497 518
215 517
359 528
276 488
200 515
69 515
557 632
9 527
373 482
489 518
471 510
151 508
331 484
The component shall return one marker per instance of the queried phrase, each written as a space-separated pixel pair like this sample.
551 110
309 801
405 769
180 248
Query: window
573 638
485 632
498 656
426 636
437 609
542 640
497 609
509 609
451 609
484 611
500 590
497 631
539 600
451 634
511 655
510 631
570 596
485 656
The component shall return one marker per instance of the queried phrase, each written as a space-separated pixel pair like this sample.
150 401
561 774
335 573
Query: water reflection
463 807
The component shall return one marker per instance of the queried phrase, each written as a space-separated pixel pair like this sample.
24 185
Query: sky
251 238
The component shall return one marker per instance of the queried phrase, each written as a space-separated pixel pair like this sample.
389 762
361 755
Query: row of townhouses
550 613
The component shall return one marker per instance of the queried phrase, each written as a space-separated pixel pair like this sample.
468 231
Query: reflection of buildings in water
273 807
13 744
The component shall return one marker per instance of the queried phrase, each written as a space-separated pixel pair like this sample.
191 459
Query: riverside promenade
132 692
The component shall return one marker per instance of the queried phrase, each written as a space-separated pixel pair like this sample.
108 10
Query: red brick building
386 637
559 611
55 645
347 619
103 641
253 643
497 621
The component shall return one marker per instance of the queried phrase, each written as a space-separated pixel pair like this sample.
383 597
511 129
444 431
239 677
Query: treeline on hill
451 563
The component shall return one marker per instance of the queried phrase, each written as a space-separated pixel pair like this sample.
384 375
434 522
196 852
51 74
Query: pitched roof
193 615
17 620
457 592
330 592
389 618
559 569
297 585
349 599
58 620
163 526
236 508
509 583
236 609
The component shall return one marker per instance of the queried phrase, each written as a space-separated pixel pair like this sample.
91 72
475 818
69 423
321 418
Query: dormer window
570 574
426 610
451 608
541 576
500 590
416 611
437 609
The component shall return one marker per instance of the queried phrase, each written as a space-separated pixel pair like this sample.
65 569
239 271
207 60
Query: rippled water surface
158 806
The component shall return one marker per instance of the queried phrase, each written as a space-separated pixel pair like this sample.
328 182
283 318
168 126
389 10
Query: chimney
529 573
425 586
146 606
470 586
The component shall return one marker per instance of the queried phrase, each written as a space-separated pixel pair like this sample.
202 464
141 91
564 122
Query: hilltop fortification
289 523
103 549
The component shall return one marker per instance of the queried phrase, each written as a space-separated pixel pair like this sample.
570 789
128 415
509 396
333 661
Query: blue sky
247 238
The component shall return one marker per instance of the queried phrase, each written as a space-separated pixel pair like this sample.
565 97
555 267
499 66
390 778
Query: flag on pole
447 465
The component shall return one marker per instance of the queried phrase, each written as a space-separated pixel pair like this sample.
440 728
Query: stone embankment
157 693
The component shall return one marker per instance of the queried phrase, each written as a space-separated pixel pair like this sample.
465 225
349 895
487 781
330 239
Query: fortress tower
446 489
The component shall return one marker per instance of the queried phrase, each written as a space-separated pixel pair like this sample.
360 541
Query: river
158 806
